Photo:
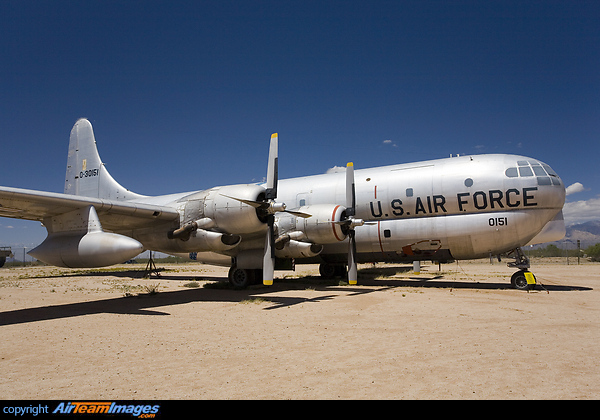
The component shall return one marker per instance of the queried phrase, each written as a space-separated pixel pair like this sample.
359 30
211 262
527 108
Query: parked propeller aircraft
439 210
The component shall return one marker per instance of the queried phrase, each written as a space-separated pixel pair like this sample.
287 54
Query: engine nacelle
295 249
94 249
205 240
320 228
232 215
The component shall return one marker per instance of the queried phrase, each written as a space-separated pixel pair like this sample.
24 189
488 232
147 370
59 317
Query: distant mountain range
588 233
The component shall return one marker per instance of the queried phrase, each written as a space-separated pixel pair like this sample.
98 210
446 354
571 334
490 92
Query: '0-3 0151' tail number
89 173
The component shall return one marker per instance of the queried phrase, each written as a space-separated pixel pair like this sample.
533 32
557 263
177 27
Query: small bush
593 252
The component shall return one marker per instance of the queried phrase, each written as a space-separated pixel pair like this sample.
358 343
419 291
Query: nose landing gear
522 279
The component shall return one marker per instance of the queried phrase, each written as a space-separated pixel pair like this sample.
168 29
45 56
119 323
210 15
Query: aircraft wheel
240 278
327 271
341 271
519 281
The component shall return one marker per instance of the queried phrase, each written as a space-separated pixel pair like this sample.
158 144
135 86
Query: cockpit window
549 170
538 170
544 180
544 173
525 171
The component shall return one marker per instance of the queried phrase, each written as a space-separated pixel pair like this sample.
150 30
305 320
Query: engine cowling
322 227
223 206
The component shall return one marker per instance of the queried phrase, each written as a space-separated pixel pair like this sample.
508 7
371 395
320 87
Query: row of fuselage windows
544 173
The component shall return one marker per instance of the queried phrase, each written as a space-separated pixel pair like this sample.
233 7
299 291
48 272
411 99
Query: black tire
240 278
519 281
327 271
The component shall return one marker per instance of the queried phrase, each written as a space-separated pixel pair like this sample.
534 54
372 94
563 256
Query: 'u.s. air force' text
437 204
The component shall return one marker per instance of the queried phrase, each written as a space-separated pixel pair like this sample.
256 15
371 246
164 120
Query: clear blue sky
185 95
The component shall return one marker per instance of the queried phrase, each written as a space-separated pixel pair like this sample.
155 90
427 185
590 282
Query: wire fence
18 256
567 252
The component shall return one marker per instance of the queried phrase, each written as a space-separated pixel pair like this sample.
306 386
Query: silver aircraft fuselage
455 208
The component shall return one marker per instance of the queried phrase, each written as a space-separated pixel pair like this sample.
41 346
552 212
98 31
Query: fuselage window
512 173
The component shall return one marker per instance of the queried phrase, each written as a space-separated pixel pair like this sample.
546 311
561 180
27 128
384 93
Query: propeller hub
276 207
356 222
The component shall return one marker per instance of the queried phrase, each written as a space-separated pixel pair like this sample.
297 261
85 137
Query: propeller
270 207
270 196
350 223
267 208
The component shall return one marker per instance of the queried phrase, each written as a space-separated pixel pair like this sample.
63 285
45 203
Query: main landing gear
330 271
241 278
522 279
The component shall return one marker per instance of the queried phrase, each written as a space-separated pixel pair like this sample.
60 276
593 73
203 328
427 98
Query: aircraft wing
18 203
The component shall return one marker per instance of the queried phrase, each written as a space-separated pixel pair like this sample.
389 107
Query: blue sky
185 95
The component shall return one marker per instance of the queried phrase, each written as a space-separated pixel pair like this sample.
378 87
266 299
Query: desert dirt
459 333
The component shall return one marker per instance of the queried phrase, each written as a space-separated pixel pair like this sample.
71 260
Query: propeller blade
299 214
269 255
272 168
271 208
352 269
253 203
352 223
350 190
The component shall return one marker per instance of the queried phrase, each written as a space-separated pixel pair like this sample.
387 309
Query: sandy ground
459 333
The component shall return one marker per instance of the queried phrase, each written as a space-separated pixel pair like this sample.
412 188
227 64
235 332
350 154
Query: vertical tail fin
86 174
